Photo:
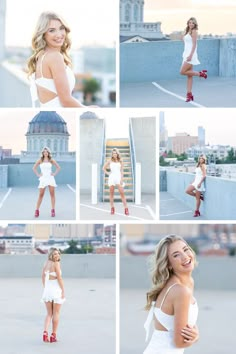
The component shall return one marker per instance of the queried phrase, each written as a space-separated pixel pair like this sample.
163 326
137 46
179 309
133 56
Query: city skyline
14 125
174 17
83 21
217 123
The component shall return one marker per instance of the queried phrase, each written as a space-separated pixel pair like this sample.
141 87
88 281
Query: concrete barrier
3 176
150 61
73 266
219 196
21 175
212 273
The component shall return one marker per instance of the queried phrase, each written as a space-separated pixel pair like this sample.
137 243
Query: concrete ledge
73 266
219 196
209 275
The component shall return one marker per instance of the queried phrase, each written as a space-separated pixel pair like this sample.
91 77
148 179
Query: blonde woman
116 174
170 302
197 188
49 67
53 294
190 56
46 178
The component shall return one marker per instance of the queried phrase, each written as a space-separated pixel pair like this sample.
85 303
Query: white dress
162 341
197 180
115 175
52 291
49 85
188 44
46 179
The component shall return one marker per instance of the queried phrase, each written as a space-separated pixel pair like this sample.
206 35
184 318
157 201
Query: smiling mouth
187 262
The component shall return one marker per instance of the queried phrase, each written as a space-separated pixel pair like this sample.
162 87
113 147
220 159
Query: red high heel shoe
112 210
45 336
53 338
36 214
189 97
203 74
126 211
196 214
53 213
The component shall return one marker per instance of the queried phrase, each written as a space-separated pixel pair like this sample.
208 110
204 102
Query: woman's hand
199 185
190 334
63 295
189 58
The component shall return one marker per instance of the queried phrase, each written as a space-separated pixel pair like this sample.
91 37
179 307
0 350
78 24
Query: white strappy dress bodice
188 44
46 179
49 85
115 175
162 341
52 291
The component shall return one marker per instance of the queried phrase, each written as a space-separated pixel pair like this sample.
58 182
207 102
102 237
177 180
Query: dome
47 122
88 115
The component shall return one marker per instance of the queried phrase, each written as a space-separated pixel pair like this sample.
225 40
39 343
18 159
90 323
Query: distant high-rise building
2 28
163 131
132 24
201 136
181 142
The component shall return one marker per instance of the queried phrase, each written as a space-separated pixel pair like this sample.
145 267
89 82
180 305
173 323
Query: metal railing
132 155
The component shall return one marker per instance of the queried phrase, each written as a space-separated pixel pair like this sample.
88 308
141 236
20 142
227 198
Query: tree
162 161
182 157
90 87
73 249
231 158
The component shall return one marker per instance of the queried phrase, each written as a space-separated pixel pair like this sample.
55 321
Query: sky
219 124
14 125
91 21
213 16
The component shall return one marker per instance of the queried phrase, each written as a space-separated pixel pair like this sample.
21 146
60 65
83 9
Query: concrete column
94 195
3 176
2 28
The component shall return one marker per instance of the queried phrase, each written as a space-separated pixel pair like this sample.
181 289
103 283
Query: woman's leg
48 316
55 317
187 69
189 83
190 190
122 195
40 198
112 189
52 195
198 200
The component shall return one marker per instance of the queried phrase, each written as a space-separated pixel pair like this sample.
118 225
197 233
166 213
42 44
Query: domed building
47 129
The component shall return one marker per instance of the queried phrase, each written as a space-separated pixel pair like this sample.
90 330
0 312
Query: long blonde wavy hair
51 254
194 20
39 43
159 267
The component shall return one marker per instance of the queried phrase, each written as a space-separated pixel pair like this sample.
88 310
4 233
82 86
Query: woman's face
114 155
181 258
56 256
45 153
201 160
55 34
191 24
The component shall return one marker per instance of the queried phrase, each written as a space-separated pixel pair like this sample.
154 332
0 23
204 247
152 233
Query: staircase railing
132 155
102 161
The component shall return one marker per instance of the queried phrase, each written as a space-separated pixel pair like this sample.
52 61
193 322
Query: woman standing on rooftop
170 301
53 294
116 175
190 56
197 188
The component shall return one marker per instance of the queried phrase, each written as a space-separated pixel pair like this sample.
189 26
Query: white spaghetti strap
167 291
149 320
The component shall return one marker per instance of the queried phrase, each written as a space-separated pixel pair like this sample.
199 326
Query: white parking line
175 95
5 197
71 188
182 212
108 211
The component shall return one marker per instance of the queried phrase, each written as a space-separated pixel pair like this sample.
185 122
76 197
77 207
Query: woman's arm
43 275
35 167
59 278
57 68
194 39
57 168
121 172
203 169
105 168
181 304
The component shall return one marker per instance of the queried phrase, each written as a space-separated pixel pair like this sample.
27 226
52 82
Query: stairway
123 146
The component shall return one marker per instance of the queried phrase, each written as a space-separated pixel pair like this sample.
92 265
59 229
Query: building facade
181 143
